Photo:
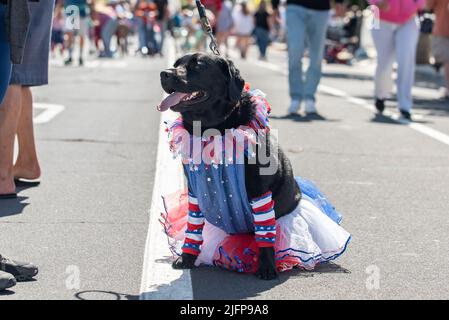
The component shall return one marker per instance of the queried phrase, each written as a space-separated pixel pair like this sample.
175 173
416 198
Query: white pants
396 41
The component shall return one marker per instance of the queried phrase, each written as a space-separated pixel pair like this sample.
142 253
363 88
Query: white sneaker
294 106
310 106
444 93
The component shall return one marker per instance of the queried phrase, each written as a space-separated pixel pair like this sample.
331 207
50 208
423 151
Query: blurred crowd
108 25
248 22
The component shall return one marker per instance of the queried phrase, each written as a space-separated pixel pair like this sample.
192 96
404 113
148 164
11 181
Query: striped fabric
195 224
264 220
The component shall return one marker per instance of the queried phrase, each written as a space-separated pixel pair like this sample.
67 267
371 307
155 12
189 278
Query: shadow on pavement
11 207
436 107
103 295
214 283
429 80
378 118
177 289
351 76
305 118
6 293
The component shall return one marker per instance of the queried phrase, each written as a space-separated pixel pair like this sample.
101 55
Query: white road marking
430 132
159 279
51 111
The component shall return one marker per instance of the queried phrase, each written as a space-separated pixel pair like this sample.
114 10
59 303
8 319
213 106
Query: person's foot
22 271
7 281
444 93
144 51
105 55
405 114
26 172
81 62
7 186
294 107
310 107
380 105
68 61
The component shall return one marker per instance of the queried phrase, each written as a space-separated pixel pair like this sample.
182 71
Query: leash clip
213 46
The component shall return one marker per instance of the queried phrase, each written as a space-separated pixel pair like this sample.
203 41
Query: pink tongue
172 100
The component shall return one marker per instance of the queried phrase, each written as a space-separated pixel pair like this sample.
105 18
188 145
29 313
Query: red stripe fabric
266 210
268 235
266 223
193 227
262 196
191 251
265 207
194 207
262 244
188 240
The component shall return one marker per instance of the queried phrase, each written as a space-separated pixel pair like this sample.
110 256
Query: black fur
226 106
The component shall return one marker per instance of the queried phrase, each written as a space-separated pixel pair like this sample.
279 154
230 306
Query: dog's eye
200 65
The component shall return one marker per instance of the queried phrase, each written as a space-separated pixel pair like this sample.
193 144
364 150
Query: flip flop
23 181
8 196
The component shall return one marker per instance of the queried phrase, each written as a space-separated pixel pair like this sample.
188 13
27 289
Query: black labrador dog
215 96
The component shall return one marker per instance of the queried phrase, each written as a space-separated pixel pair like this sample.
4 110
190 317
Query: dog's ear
235 80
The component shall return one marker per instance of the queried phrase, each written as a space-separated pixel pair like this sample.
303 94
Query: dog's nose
166 74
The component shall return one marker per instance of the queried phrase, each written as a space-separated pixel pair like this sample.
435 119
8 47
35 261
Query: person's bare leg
81 58
69 37
82 40
9 117
239 45
245 45
27 164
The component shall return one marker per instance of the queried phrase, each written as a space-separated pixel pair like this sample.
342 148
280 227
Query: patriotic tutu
309 235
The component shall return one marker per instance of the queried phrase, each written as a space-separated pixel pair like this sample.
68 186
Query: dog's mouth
181 101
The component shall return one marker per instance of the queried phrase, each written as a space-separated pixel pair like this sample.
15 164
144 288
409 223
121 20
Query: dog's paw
185 261
267 264
267 273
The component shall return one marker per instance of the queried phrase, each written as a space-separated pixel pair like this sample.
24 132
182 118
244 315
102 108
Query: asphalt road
388 180
88 219
91 211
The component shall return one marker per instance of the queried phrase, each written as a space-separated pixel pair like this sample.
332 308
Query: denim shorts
5 60
34 69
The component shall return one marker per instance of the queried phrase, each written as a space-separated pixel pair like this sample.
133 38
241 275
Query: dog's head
202 88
